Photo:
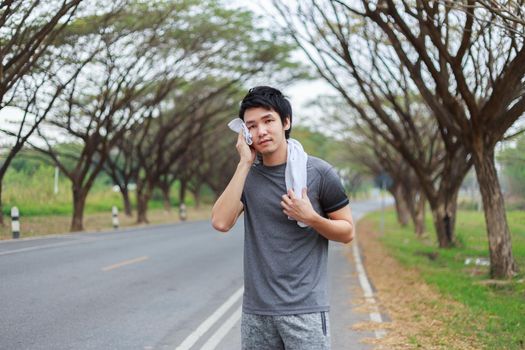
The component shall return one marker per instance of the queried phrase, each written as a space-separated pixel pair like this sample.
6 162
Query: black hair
269 98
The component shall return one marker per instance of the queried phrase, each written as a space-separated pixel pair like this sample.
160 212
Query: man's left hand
298 208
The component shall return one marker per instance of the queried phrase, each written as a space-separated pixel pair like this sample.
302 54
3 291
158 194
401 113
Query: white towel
237 125
295 172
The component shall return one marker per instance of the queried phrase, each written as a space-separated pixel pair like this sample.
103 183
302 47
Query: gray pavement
143 288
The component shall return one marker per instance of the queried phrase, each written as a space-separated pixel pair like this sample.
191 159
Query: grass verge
480 312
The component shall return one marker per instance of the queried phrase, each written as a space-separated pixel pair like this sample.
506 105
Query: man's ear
287 123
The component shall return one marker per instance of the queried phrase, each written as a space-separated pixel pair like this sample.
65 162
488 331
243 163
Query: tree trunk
182 192
502 263
444 210
2 223
143 195
418 215
166 197
416 204
443 227
127 202
79 203
197 195
403 214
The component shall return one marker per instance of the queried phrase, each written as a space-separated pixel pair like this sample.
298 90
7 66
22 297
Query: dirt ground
419 317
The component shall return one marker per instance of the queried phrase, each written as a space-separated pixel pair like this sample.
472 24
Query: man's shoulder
318 164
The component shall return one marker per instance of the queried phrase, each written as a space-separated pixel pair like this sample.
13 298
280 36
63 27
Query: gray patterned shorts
292 332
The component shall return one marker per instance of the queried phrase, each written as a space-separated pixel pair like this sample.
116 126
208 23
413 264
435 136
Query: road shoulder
419 314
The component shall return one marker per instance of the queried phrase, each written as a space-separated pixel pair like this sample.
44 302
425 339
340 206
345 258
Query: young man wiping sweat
293 205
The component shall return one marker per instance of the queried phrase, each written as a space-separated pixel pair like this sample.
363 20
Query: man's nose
261 130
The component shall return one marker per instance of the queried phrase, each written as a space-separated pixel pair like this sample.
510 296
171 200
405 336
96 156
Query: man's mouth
264 142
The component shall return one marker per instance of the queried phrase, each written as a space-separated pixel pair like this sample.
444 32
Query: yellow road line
124 263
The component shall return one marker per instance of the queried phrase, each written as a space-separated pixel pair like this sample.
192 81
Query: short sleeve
332 195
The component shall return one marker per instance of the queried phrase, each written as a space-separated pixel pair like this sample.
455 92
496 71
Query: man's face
266 129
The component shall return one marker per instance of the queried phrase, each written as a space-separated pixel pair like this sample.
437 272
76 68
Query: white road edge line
77 240
44 246
375 315
216 338
210 321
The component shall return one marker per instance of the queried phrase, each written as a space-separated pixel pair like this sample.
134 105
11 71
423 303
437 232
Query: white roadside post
15 222
115 217
182 212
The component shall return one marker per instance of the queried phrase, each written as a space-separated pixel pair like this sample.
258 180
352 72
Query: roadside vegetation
29 184
33 194
428 105
420 97
495 309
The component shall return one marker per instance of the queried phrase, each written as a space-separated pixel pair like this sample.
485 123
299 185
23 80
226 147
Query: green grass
501 306
34 195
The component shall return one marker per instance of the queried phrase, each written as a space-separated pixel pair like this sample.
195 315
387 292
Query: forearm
334 230
226 209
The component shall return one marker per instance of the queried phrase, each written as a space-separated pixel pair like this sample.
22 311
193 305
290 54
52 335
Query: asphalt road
163 287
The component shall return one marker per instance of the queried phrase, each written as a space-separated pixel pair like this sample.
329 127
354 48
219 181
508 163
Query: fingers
287 199
286 203
246 152
298 208
240 138
287 208
289 204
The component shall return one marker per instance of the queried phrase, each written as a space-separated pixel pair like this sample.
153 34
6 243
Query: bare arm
338 227
228 207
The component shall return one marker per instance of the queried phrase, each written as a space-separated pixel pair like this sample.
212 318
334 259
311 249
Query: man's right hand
246 152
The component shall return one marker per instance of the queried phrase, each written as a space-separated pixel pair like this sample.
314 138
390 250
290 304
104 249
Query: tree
381 95
471 75
221 160
510 13
23 45
235 52
97 108
167 137
24 41
366 148
364 152
406 188
122 167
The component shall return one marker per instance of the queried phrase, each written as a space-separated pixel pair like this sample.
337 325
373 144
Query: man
285 303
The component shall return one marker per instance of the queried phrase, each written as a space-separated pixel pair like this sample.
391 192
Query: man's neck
278 157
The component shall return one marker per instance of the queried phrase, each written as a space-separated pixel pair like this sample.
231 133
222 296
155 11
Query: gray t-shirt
285 266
